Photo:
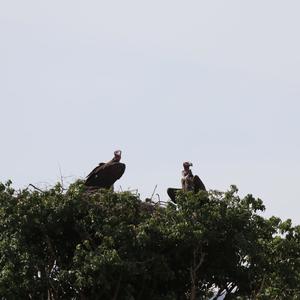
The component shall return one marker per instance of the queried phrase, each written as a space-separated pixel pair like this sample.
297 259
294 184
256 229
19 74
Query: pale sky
213 82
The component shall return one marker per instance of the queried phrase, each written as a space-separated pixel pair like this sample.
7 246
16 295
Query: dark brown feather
198 184
105 175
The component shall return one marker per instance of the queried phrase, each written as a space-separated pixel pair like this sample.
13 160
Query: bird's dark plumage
105 175
172 193
198 185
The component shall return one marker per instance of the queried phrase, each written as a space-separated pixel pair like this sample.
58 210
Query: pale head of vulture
117 155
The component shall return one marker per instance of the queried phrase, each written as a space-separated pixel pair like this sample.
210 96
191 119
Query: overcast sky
213 82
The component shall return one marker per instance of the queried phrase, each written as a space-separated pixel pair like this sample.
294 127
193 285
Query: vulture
106 174
189 182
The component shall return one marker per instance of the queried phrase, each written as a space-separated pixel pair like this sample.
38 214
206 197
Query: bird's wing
198 184
172 193
112 172
105 175
95 171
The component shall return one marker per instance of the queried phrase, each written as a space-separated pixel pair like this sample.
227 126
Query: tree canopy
73 244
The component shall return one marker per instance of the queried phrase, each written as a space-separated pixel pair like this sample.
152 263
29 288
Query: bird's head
187 164
117 155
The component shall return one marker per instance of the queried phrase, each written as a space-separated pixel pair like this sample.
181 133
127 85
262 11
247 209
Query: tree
78 245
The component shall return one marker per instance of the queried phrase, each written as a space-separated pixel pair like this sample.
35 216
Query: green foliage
76 245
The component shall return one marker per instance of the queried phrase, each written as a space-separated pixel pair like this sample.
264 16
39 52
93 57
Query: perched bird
189 182
106 174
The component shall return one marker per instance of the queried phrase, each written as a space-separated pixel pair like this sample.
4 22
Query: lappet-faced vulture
189 182
106 174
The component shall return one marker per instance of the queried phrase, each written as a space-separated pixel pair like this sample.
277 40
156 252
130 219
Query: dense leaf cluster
76 245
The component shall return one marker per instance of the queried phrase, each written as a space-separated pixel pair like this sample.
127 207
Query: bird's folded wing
198 184
113 171
106 175
95 171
